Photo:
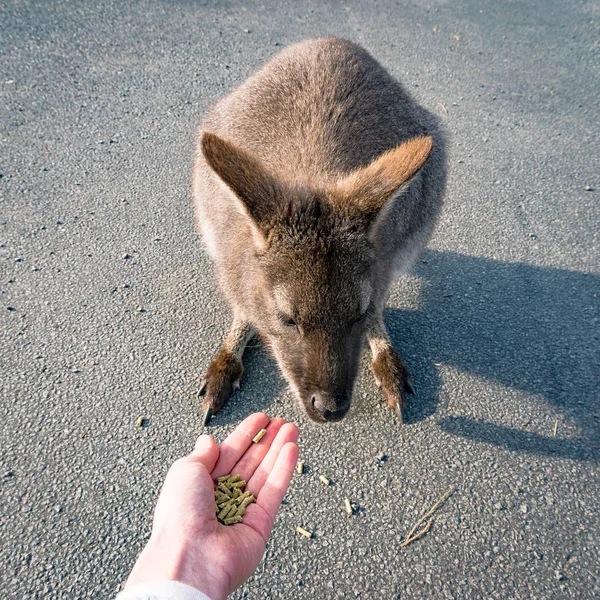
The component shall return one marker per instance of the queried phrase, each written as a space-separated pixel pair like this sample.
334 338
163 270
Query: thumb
206 451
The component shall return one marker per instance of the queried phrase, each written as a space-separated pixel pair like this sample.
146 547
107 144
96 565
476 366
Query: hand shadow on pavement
527 327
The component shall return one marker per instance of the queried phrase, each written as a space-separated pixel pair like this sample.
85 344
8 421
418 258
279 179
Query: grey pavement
109 311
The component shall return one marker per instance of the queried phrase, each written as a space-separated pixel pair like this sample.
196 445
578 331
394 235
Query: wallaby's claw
398 411
221 378
208 413
389 369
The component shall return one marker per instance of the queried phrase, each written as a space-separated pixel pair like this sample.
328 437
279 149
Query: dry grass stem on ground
412 535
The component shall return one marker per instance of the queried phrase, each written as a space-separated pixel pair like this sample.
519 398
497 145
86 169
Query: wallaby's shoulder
319 66
327 50
329 68
325 101
326 65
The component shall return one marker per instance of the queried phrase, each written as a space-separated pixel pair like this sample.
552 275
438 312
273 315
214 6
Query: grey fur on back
322 108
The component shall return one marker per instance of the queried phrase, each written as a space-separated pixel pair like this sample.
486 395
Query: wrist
167 561
153 590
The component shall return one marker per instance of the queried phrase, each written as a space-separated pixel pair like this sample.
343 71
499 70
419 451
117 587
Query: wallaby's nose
330 409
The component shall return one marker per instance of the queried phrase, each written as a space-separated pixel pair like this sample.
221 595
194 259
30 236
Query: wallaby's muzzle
322 369
329 409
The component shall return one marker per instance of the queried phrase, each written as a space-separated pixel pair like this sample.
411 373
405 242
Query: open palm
188 544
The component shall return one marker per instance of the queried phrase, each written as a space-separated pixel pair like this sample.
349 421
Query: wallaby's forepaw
392 376
221 378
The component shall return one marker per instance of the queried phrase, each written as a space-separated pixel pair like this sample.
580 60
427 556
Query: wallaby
317 182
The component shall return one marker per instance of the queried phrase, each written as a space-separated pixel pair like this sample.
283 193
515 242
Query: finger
233 448
287 433
252 458
206 451
261 516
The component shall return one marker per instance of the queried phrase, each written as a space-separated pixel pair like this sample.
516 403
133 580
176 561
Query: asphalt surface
109 311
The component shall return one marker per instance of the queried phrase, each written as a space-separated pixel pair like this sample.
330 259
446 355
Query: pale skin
187 543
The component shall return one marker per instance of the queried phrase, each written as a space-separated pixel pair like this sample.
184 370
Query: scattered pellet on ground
324 480
302 531
300 467
348 506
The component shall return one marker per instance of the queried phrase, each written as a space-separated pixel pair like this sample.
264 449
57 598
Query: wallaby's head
315 260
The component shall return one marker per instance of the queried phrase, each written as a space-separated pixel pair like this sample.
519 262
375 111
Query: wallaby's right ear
252 185
365 193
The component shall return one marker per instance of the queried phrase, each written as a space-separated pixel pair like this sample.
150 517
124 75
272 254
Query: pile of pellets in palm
231 500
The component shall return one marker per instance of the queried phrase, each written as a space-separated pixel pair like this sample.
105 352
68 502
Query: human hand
187 543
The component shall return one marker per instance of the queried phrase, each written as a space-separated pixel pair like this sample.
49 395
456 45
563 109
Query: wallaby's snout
324 389
330 409
317 182
322 367
318 302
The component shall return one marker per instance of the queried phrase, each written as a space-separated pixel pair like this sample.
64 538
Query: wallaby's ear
253 186
366 191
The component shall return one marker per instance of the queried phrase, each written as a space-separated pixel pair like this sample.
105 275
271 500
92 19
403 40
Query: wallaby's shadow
527 327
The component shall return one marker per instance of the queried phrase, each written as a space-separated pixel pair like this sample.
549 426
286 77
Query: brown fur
388 369
372 186
222 377
316 183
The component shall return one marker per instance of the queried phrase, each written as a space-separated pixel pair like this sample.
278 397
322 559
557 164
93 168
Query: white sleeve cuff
162 590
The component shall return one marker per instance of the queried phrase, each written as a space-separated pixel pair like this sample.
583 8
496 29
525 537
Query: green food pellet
230 499
233 520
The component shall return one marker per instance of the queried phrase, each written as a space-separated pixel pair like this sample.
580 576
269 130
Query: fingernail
203 442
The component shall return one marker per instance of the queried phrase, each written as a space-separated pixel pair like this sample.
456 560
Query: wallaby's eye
287 321
361 318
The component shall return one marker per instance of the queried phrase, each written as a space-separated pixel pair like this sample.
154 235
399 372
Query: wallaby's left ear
255 189
366 191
